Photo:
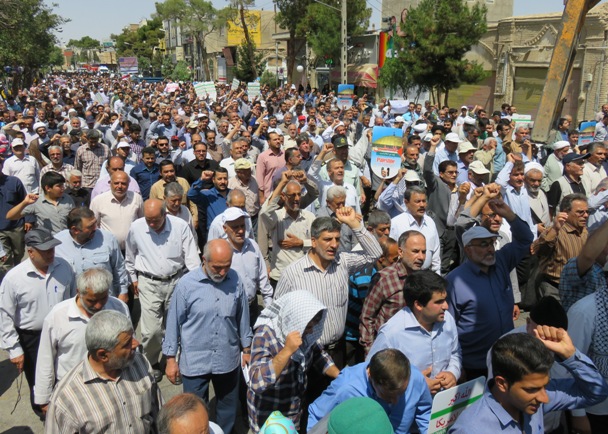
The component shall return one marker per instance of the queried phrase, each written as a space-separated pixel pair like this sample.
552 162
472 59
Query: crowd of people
246 244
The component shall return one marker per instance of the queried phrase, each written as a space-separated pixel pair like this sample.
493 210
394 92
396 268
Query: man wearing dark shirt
147 172
80 196
12 193
194 169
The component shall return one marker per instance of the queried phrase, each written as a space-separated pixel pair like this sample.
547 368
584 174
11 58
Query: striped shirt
330 286
559 246
84 402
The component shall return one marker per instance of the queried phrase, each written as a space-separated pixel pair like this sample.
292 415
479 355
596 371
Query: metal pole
276 47
344 44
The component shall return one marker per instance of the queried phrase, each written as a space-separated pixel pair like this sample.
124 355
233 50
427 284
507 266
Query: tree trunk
254 68
203 51
445 99
291 55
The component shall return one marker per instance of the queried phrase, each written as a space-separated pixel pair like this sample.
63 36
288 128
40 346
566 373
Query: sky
102 18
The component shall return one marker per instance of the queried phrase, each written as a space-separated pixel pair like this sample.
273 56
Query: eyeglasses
491 216
581 212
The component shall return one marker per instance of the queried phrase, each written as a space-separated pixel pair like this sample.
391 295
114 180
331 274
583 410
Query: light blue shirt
500 158
518 201
585 389
102 251
438 349
413 406
209 322
442 154
250 265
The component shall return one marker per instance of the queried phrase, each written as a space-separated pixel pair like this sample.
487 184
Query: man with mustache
62 343
208 321
480 296
94 396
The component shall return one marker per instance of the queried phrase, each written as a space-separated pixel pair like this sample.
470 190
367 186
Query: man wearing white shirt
159 249
62 344
27 294
113 164
236 152
415 218
24 167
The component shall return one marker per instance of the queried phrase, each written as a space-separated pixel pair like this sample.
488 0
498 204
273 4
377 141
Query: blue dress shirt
438 349
414 404
209 201
145 178
442 154
209 322
482 304
518 201
585 389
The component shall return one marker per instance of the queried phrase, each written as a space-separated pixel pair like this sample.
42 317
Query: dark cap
41 239
572 157
339 141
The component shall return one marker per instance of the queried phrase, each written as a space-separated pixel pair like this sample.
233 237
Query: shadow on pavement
18 430
8 373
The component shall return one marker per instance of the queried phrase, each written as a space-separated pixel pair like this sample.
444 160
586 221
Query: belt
28 332
160 278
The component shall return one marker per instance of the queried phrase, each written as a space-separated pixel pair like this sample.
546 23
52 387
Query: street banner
448 405
128 65
386 151
346 92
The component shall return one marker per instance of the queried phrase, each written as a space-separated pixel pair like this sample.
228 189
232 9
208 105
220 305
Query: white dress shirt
26 297
26 169
251 268
62 343
406 222
161 253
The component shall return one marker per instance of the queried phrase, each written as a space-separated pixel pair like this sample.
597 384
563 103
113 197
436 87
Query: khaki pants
154 297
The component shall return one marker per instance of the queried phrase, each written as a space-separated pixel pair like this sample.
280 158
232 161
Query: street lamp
343 38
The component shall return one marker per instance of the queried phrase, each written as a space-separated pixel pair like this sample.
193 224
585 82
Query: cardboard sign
448 405
235 84
253 89
386 151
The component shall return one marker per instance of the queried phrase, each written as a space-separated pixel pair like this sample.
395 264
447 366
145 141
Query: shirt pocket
97 259
173 249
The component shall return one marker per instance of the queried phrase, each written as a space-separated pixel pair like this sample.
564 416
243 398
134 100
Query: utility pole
344 45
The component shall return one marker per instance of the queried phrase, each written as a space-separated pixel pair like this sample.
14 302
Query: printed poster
346 92
387 148
586 132
448 405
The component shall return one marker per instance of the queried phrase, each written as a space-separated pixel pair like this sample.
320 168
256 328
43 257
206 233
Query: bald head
236 198
115 163
155 212
184 413
217 259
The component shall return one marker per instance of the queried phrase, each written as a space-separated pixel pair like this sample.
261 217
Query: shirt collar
501 414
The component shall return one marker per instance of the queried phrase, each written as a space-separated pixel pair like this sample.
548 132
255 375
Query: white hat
123 144
399 119
561 145
453 137
478 168
411 176
193 124
17 142
428 137
533 165
465 147
293 86
469 120
464 107
420 128
233 213
39 125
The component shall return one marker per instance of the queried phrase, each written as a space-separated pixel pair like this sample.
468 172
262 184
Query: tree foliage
268 79
198 18
181 72
243 70
27 37
434 40
290 15
141 42
86 42
322 26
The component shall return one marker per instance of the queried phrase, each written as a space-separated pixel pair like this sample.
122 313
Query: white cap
478 168
233 213
465 147
453 137
411 176
399 119
469 120
39 125
420 128
533 165
17 142
561 145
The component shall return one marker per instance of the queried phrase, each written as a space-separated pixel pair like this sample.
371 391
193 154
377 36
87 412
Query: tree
181 72
27 38
86 42
322 26
198 18
291 13
141 42
249 45
268 79
436 36
243 70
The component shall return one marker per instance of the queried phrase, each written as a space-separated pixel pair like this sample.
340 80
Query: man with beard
159 249
210 299
480 297
57 163
95 395
62 338
84 246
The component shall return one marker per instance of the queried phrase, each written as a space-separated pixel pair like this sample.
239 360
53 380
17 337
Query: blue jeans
226 387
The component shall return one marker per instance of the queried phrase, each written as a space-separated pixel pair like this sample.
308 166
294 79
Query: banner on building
386 151
128 65
253 21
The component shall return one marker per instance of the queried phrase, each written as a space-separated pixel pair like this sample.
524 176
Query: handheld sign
448 405
586 133
386 151
346 92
